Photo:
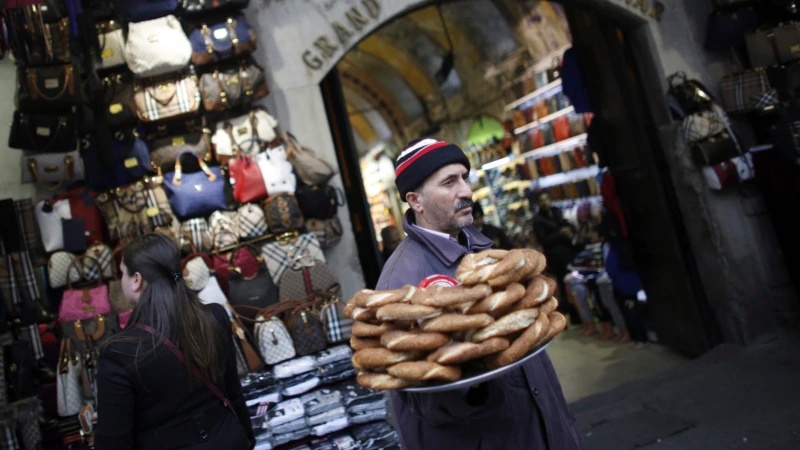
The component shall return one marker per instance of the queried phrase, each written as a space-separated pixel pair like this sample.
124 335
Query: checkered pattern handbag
279 256
328 232
197 271
223 229
59 267
702 125
180 97
99 261
748 91
305 277
197 230
250 221
337 325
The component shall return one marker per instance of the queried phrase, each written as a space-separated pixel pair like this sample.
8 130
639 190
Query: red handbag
245 259
561 128
245 176
82 206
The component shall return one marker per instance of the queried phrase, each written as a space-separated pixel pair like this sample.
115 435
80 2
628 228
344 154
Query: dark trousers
635 314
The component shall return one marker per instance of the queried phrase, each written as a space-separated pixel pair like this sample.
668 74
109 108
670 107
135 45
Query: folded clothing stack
321 400
330 355
300 384
375 436
337 371
295 366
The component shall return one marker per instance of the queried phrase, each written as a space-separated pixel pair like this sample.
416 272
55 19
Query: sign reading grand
342 34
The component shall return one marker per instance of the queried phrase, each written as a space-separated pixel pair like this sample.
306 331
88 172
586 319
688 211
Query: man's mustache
463 204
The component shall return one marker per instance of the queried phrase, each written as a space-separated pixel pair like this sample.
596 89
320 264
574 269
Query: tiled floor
586 365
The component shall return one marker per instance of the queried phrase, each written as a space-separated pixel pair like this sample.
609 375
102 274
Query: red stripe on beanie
419 154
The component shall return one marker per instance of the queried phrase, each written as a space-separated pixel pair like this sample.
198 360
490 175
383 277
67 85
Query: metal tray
476 376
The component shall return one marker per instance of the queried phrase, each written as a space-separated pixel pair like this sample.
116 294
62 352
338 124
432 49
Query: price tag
107 53
795 48
130 163
220 33
42 131
180 140
51 83
116 108
241 131
153 211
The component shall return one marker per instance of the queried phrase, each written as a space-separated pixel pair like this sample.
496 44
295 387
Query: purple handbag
195 194
222 40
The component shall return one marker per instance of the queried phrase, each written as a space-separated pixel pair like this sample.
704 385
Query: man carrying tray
524 409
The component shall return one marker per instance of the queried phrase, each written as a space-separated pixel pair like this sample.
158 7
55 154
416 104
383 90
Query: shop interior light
496 163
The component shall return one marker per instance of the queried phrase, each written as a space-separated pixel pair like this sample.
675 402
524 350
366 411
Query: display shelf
547 150
545 119
481 193
566 177
571 201
517 184
548 89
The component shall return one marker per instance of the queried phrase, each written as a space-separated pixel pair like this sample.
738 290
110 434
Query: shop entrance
496 90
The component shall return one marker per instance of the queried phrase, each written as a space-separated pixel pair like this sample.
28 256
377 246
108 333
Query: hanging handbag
157 47
51 46
223 229
135 209
748 91
43 132
164 151
281 253
255 127
83 303
112 44
276 171
250 221
222 40
337 325
256 290
702 125
686 96
49 216
310 167
195 194
274 341
137 11
247 180
68 383
82 206
197 271
307 332
202 6
318 201
232 88
247 264
722 162
774 46
53 168
197 233
170 97
91 333
328 231
134 153
98 263
283 214
252 358
60 269
118 98
49 88
306 276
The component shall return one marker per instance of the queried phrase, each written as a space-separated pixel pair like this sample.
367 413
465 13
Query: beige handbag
156 47
169 97
310 167
112 44
244 134
59 268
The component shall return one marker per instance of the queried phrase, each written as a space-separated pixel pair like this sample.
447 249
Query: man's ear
414 200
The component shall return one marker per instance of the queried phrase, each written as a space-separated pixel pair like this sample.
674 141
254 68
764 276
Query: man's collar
445 247
434 232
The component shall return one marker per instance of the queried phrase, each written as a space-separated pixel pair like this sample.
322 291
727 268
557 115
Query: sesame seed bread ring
369 358
540 263
524 266
363 314
557 324
383 382
537 293
486 266
367 330
443 297
461 352
406 341
367 298
510 323
521 346
357 343
498 300
549 306
452 322
424 371
406 311
349 308
552 285
474 260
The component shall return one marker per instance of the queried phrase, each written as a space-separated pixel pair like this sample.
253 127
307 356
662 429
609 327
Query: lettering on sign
342 32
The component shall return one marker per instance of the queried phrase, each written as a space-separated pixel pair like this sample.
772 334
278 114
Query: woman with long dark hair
169 379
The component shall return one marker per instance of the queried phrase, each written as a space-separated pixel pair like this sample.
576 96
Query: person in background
555 235
523 409
148 396
391 239
497 235
588 227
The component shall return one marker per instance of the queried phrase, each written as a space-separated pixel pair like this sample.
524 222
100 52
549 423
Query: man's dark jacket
523 410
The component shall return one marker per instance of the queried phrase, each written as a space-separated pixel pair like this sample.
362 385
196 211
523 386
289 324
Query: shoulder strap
197 372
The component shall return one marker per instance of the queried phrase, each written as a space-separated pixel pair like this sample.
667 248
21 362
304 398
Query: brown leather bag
251 356
283 214
167 97
307 331
228 89
136 209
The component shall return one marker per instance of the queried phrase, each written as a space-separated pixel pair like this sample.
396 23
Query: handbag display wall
257 124
157 47
228 89
779 45
112 44
44 89
43 132
169 97
222 40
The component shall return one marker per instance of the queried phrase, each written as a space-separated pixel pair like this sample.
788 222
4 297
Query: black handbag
43 132
318 201
44 89
257 290
118 98
52 10
19 371
714 150
687 96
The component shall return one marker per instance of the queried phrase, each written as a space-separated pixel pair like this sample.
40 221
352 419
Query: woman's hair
171 308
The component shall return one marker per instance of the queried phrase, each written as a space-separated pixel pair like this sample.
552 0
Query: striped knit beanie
421 158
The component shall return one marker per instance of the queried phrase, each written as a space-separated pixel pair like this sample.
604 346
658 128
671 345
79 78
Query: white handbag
49 216
274 341
59 268
212 293
156 47
196 273
223 229
241 128
56 168
68 382
112 45
277 171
